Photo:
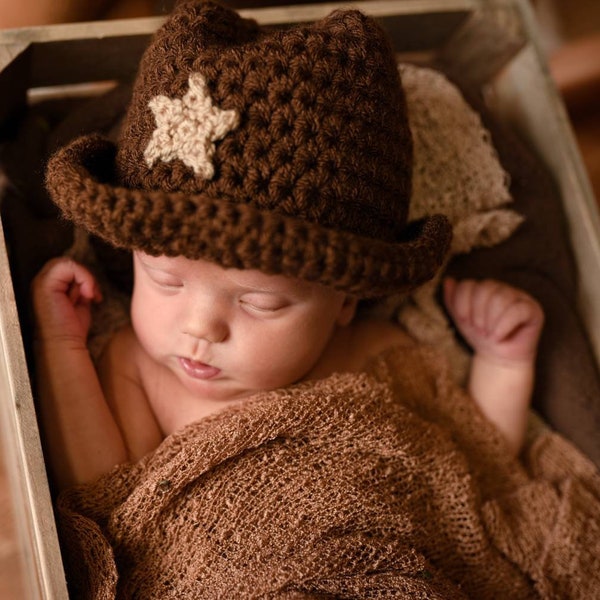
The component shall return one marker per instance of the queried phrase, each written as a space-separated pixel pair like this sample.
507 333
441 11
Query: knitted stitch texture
386 484
286 151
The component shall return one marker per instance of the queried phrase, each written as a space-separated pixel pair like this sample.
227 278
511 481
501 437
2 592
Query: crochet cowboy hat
286 151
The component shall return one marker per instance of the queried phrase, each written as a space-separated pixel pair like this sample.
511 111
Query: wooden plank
411 24
34 518
75 53
9 53
108 30
274 15
380 9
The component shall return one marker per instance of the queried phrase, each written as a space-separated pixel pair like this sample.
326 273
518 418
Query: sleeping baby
250 433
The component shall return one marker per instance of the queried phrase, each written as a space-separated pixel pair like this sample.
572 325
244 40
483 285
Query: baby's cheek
272 365
148 321
148 307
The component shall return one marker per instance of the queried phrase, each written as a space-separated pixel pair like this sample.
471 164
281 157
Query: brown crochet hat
286 151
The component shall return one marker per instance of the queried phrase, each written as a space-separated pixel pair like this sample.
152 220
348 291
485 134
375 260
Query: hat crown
308 122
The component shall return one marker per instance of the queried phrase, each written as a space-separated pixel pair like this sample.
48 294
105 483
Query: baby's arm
82 438
503 325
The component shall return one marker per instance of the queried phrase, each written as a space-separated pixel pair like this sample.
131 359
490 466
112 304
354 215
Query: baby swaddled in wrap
247 435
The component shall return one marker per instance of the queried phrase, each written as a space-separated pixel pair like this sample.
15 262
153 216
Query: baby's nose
208 325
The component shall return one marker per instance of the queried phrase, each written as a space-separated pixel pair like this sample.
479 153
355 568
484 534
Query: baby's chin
218 391
209 385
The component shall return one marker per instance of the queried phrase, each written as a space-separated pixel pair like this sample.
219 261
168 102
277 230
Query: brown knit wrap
382 485
311 177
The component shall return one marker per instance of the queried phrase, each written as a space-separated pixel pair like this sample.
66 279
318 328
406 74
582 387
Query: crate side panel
525 96
80 61
15 62
23 454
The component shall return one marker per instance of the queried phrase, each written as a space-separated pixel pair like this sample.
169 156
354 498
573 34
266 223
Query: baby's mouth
198 370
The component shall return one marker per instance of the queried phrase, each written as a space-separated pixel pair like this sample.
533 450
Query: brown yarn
382 485
313 179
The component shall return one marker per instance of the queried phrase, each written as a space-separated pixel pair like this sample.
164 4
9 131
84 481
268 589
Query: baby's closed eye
263 302
166 280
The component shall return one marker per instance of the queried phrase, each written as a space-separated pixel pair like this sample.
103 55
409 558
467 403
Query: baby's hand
498 321
62 294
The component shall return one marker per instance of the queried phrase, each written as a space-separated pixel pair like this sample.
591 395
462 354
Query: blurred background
570 33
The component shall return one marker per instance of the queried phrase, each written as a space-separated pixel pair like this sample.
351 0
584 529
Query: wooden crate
490 43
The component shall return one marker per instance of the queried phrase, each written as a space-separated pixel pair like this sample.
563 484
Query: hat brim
234 235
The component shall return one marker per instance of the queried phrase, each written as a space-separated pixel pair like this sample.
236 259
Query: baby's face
227 333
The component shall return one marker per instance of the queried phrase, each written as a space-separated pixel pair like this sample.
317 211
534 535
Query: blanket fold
383 484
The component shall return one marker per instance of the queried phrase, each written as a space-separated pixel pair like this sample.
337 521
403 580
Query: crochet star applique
188 128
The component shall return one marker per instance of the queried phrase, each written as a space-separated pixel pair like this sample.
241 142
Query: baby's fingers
85 288
469 301
69 277
82 283
519 326
458 298
513 317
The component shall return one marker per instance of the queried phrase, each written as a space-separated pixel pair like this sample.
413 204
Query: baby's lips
197 369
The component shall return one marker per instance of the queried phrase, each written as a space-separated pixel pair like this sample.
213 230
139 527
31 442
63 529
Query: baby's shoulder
121 350
371 336
123 377
361 341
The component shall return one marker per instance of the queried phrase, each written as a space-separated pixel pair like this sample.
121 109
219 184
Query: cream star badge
188 128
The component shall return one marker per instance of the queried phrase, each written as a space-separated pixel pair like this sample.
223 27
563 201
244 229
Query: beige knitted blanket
383 484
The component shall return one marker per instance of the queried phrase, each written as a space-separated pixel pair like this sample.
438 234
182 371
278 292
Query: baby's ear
348 310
